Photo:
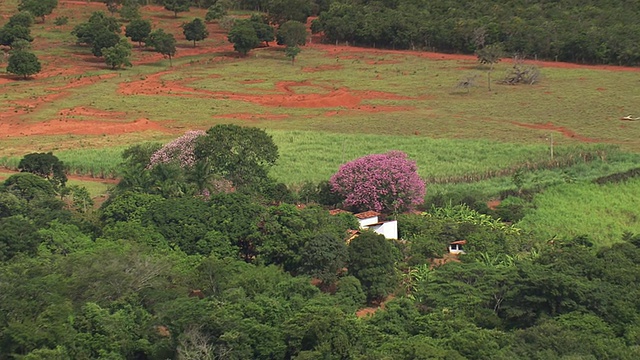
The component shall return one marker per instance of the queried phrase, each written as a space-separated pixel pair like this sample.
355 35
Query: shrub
380 182
61 20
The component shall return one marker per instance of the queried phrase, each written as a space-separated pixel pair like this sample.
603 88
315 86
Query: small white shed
455 247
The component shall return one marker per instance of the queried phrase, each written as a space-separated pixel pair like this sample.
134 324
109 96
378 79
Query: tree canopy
195 30
39 8
242 155
138 30
162 42
177 6
243 36
23 63
380 182
45 165
118 55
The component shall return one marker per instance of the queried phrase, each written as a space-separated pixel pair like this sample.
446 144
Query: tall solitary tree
45 165
490 54
39 8
118 55
130 10
380 182
243 36
163 43
23 63
292 33
177 6
215 12
195 30
138 30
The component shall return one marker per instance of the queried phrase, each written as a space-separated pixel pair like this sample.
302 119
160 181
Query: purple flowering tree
180 150
380 182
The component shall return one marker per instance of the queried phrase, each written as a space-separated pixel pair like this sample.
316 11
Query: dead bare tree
194 345
467 82
521 73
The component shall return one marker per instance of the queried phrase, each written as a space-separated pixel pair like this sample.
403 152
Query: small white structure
367 218
455 247
370 220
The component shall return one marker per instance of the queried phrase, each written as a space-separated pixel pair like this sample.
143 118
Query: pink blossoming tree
180 150
380 182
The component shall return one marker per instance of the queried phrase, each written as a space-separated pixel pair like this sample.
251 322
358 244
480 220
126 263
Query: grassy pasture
601 212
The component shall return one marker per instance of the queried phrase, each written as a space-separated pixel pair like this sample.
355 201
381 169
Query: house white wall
388 229
456 249
368 221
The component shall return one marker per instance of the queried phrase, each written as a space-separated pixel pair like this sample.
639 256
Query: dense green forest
599 31
595 31
234 265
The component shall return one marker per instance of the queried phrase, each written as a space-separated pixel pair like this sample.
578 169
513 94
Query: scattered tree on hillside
20 45
45 165
23 18
291 52
118 55
215 12
113 5
195 30
227 23
100 31
380 182
138 30
23 63
243 36
103 40
39 8
264 31
163 43
281 11
490 54
10 34
292 33
177 6
130 10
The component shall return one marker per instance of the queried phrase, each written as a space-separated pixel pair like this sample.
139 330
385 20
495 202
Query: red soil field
284 95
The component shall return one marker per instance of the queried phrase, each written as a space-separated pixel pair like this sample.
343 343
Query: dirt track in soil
87 121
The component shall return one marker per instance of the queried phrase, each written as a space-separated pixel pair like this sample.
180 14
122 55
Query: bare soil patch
562 130
79 127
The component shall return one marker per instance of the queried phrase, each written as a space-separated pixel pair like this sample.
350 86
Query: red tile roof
459 242
338 211
367 214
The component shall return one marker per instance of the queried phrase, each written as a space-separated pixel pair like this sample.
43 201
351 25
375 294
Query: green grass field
600 212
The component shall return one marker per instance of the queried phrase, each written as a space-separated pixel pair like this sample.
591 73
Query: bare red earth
562 130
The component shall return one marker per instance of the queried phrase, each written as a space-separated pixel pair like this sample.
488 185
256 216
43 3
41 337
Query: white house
370 220
456 247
